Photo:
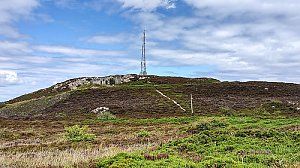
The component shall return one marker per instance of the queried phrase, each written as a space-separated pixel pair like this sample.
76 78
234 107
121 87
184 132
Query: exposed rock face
107 80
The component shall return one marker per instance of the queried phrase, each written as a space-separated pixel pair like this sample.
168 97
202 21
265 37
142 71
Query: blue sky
43 42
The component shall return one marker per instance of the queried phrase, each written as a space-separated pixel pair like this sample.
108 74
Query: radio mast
143 60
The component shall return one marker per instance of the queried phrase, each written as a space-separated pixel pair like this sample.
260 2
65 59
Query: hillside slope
136 96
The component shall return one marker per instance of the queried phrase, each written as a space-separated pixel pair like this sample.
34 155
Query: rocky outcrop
107 80
74 84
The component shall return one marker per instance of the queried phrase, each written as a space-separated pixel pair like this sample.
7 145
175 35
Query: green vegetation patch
2 104
105 116
77 134
143 134
32 108
7 134
223 142
125 160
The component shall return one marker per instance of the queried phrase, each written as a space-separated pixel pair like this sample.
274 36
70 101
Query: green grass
143 134
2 104
32 107
137 160
222 142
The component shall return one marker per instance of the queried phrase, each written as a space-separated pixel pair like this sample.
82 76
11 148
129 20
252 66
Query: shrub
207 126
261 111
2 104
78 134
143 134
106 116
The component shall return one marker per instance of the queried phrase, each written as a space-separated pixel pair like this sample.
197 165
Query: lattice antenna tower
143 60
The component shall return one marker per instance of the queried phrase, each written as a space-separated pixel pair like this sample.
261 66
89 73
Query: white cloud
241 40
8 77
147 5
69 51
14 48
231 6
107 39
11 11
245 40
9 31
14 9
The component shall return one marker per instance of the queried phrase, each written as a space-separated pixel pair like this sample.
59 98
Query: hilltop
139 96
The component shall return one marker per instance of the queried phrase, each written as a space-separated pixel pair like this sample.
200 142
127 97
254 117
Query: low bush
106 116
78 134
207 126
2 104
261 111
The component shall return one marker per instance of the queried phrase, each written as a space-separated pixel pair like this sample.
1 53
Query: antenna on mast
143 60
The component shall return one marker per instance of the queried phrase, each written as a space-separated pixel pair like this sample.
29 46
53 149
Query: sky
43 42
